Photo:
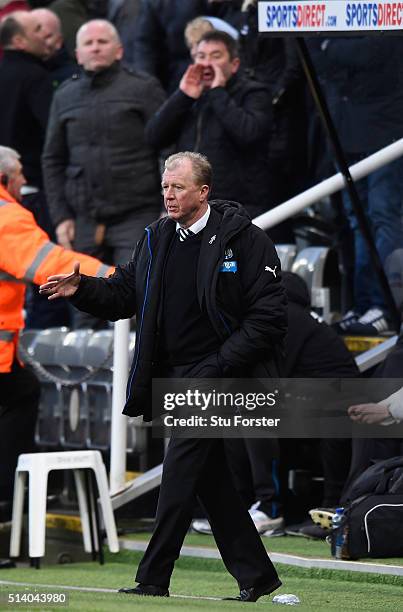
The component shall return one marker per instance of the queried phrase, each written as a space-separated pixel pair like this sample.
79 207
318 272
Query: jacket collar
102 77
226 219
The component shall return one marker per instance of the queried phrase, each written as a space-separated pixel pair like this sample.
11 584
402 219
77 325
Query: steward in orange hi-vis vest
27 255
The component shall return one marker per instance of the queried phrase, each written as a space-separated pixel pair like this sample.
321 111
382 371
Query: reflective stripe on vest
39 258
3 203
5 276
7 336
102 270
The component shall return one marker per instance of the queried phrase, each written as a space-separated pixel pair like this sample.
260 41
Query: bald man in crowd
102 184
56 58
26 91
26 94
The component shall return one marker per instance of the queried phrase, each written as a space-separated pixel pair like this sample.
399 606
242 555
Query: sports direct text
329 16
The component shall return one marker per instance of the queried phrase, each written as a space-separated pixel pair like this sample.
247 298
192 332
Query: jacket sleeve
247 122
54 161
264 322
27 253
164 127
394 404
110 298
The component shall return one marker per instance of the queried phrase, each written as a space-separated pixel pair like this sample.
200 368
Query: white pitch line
298 561
64 587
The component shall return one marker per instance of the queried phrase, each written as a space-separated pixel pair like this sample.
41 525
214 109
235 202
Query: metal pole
119 422
350 186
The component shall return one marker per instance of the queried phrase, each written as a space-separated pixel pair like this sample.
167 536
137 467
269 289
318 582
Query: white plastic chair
38 466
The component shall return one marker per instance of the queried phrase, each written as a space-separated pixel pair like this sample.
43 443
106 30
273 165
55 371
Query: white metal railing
329 186
265 221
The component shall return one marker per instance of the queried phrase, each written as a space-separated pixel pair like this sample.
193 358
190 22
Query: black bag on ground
372 523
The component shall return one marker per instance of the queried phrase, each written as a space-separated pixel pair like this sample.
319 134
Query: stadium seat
71 355
26 338
99 355
136 428
318 266
286 254
42 349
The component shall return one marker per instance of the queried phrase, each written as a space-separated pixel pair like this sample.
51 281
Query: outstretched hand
62 285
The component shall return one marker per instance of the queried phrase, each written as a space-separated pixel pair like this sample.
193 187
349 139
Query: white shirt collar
200 224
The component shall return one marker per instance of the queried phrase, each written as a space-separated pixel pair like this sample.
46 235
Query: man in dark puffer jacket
101 178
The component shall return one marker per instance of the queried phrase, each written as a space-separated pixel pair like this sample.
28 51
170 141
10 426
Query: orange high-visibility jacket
27 255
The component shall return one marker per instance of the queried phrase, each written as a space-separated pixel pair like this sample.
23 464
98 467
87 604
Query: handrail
329 186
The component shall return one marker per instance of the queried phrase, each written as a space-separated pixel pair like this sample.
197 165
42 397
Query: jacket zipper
142 313
224 322
198 131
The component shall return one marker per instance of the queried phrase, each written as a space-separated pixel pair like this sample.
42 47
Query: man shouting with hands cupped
213 68
220 113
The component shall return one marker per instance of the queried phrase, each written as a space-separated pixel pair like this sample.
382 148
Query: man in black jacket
57 59
101 178
26 92
363 82
198 318
226 117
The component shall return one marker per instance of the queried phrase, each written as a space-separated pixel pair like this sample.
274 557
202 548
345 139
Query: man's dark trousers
198 468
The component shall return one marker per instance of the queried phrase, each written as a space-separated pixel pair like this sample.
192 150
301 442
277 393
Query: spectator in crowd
388 411
160 47
102 182
195 339
24 110
73 14
11 6
23 118
224 116
124 15
195 29
26 255
312 350
56 60
363 81
274 61
384 410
